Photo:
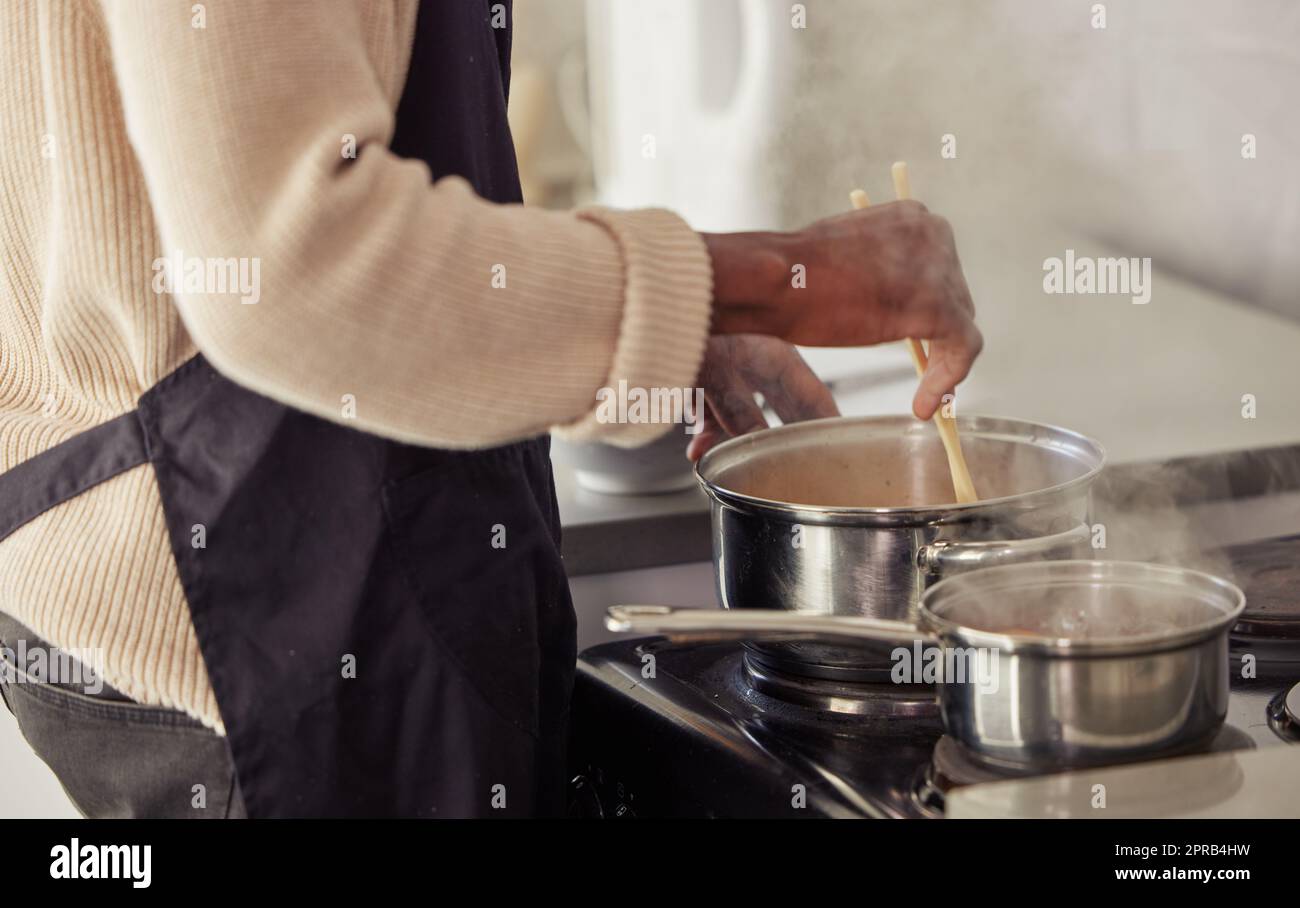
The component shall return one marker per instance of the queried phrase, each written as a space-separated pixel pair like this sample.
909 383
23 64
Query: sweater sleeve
411 309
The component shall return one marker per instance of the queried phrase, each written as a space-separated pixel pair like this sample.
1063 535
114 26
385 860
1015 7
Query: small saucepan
1040 665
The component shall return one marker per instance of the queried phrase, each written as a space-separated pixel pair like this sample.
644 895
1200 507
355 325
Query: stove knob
584 800
1284 714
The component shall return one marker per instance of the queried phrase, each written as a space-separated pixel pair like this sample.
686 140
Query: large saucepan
856 517
1047 665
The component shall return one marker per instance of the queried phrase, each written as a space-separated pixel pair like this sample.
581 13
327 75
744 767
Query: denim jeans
113 756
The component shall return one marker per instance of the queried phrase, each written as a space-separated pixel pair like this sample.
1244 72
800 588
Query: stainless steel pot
856 517
1043 666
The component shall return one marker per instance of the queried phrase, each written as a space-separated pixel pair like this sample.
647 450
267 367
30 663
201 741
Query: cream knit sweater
133 131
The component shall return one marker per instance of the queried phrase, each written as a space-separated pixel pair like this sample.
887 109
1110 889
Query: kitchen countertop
1243 784
1153 383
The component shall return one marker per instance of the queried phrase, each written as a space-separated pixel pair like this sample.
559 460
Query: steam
1176 512
1146 511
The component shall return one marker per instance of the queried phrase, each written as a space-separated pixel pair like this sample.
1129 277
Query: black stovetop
672 730
697 740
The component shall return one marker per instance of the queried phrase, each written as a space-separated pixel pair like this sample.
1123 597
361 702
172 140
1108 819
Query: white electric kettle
681 95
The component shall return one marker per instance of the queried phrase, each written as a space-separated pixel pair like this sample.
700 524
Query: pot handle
951 557
704 624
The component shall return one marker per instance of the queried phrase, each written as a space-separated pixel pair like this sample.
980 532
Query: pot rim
890 515
1074 572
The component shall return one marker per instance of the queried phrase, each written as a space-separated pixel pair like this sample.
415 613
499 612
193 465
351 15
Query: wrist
751 274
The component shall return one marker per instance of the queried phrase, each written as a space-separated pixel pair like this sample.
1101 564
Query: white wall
1131 133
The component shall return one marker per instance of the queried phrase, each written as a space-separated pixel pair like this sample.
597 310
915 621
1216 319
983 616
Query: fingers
713 431
957 287
944 315
795 392
709 435
728 386
736 410
736 367
950 362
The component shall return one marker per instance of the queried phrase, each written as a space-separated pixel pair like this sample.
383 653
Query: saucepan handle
700 624
954 556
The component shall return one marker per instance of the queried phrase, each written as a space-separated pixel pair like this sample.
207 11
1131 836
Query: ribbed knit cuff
668 294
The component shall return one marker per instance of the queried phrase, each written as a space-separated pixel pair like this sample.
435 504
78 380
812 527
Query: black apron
387 627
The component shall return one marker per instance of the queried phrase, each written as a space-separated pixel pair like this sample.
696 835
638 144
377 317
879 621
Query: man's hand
736 366
881 274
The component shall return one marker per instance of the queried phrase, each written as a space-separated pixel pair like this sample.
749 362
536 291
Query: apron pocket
470 535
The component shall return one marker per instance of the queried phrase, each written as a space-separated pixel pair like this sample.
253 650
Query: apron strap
69 468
